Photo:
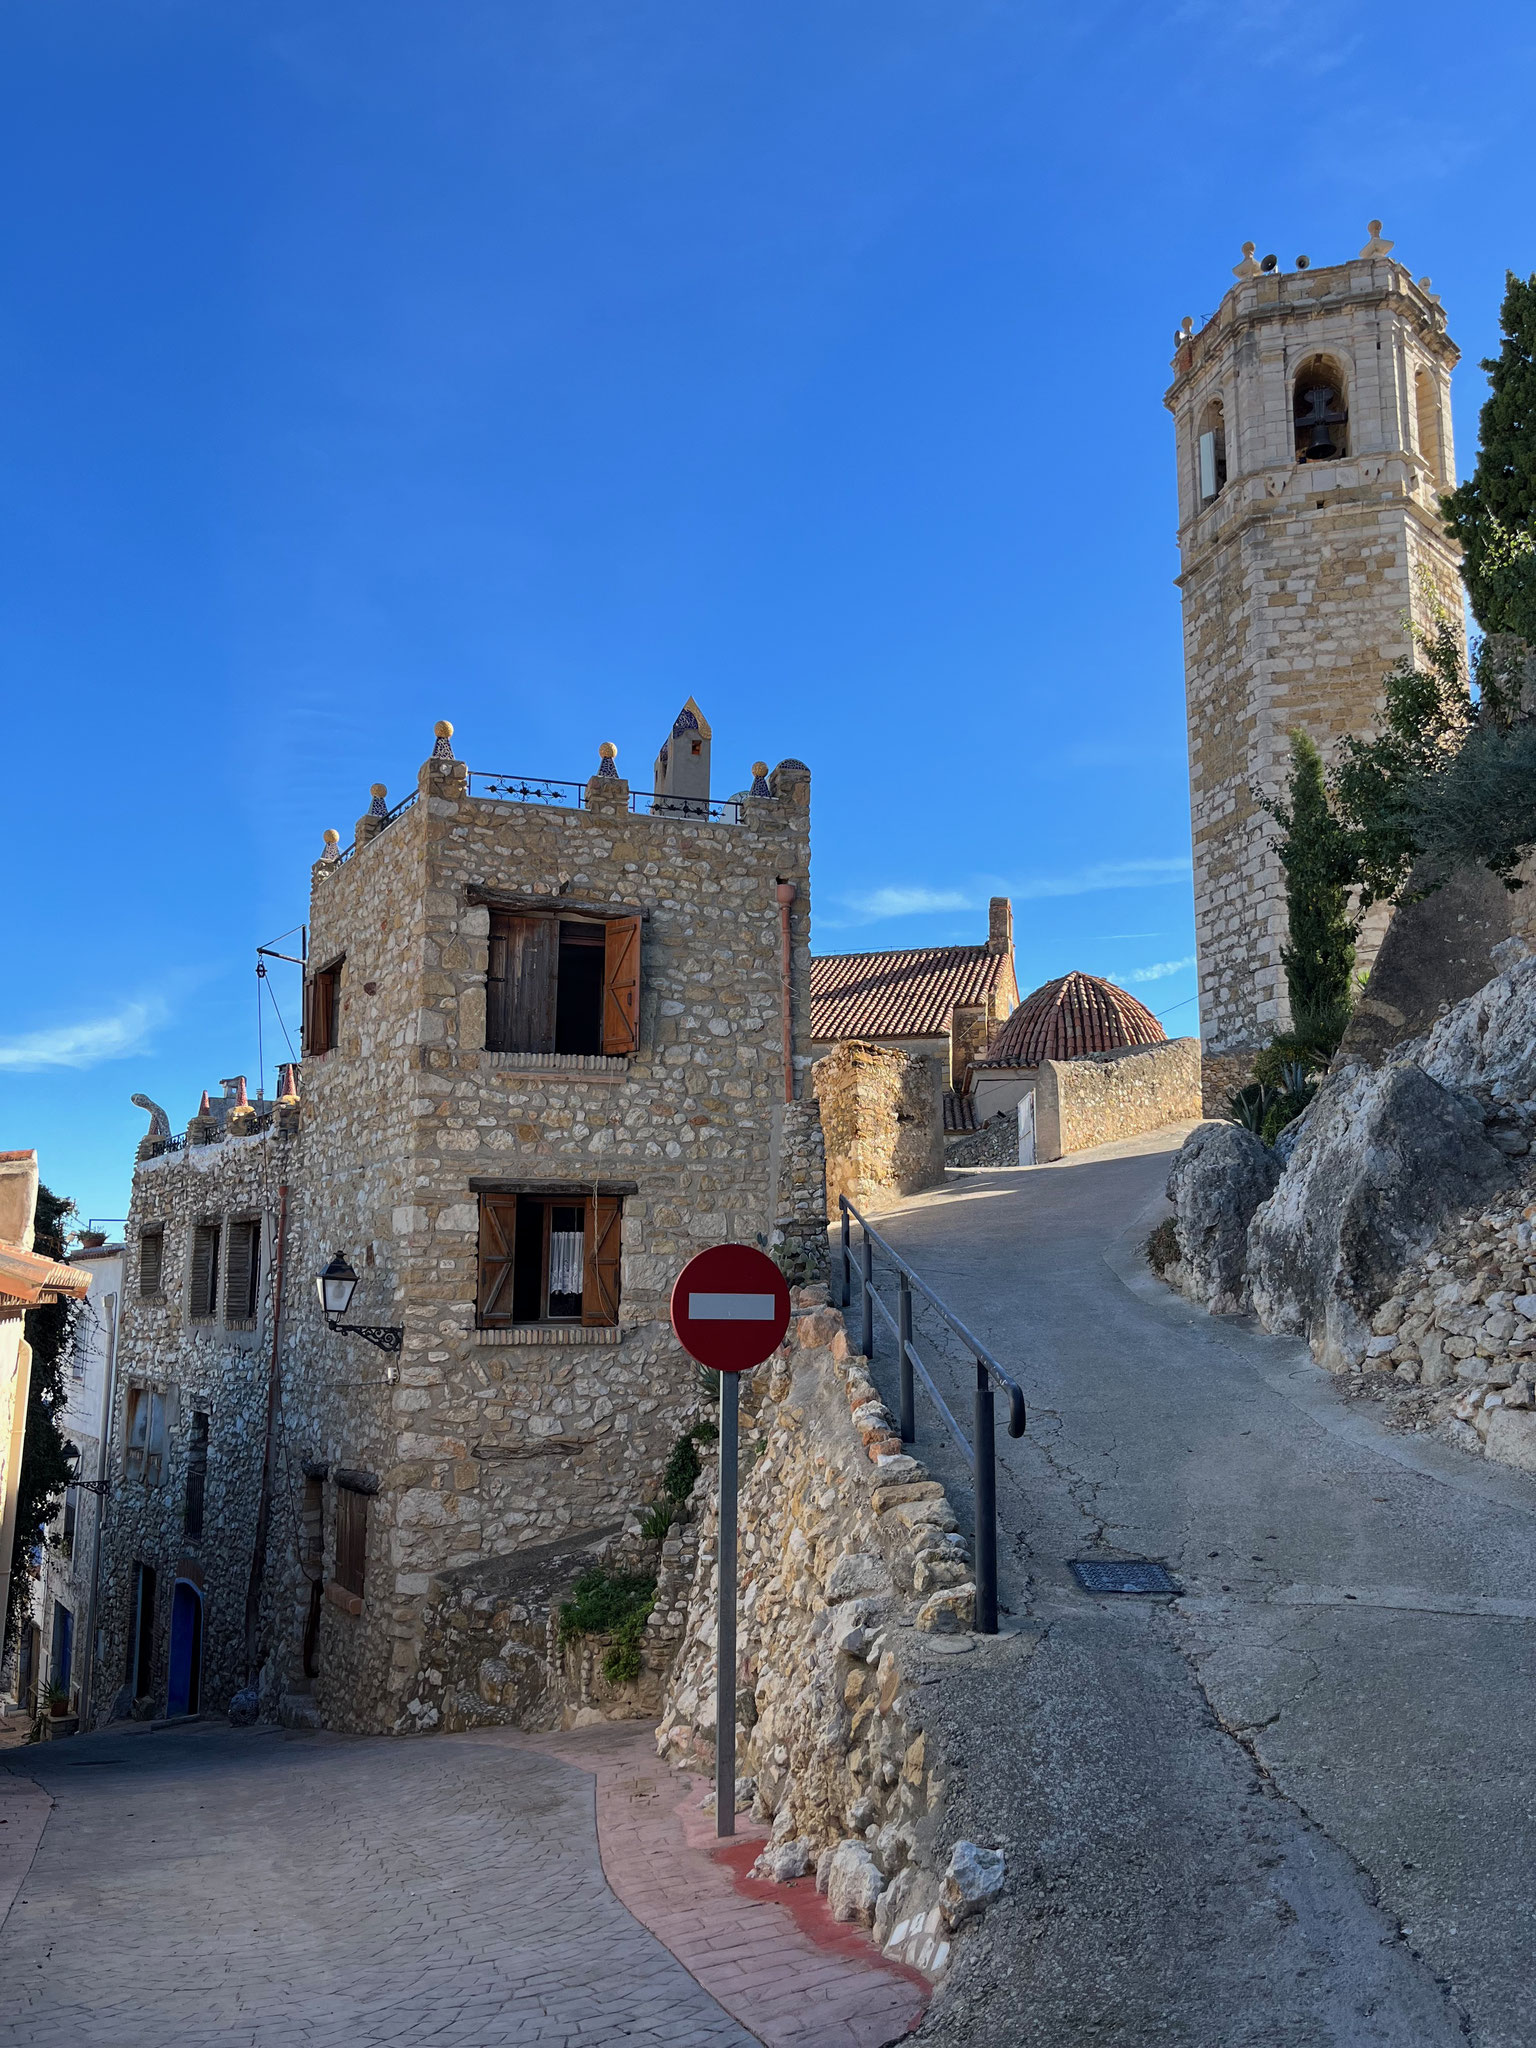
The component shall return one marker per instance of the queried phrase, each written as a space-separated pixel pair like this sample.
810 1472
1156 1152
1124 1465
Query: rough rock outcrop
1387 1157
1219 1178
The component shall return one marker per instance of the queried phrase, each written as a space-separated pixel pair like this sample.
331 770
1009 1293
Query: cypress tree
1320 866
1493 514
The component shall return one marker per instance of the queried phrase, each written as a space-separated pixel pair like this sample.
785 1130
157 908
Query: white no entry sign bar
732 1308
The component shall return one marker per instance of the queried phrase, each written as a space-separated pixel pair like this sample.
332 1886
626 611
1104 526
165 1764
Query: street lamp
336 1287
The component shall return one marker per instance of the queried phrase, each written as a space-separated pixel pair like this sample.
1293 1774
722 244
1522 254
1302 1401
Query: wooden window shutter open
497 1018
307 1022
526 1002
621 985
498 1225
205 1269
600 1268
240 1271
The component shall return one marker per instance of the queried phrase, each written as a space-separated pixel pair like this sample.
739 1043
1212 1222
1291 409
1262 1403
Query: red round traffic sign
730 1307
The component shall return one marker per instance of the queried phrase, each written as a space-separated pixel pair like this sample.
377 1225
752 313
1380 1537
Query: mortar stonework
484 1442
1298 581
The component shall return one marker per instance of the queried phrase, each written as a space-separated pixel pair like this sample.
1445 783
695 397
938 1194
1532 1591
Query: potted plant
58 1701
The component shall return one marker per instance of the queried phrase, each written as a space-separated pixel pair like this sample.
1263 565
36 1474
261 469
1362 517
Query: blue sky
539 365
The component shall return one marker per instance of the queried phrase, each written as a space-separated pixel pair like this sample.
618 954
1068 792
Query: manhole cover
1123 1575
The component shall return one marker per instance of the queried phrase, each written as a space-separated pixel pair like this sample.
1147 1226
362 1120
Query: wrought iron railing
388 818
544 789
981 1452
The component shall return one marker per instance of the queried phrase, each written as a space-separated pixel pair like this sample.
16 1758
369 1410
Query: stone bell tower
1313 424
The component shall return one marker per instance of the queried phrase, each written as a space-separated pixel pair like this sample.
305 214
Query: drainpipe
103 1459
264 1510
786 897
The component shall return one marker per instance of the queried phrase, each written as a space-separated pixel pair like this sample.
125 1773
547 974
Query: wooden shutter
240 1273
524 1003
205 1269
621 985
497 1010
498 1235
600 1264
307 1044
151 1250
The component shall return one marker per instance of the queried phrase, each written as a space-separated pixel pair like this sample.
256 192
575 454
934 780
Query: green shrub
602 1602
656 1521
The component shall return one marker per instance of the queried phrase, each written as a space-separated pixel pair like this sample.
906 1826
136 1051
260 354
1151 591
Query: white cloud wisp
916 901
80 1045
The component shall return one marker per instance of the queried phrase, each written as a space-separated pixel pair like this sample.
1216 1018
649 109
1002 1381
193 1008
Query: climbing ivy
50 1331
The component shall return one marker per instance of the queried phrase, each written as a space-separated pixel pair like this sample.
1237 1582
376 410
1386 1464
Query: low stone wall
491 1654
995 1143
882 1117
849 1556
1109 1095
1455 1344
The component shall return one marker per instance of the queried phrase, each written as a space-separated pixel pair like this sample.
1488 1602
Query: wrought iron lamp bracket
384 1336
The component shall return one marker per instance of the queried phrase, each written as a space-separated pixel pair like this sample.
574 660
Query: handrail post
842 1203
986 1507
904 1341
868 1331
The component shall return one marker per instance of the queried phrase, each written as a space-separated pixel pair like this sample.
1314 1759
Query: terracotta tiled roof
1069 1018
900 995
29 1278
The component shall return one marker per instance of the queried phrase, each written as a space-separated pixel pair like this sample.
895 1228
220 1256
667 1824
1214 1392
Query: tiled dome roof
1069 1018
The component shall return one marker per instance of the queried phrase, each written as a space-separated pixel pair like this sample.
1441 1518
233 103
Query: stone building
1313 430
556 1040
936 1002
64 1600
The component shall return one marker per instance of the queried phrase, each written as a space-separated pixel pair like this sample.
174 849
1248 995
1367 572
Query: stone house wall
882 1120
1297 582
196 1366
1110 1095
494 1441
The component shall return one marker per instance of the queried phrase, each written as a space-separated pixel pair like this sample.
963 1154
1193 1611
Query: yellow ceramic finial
332 836
377 789
759 767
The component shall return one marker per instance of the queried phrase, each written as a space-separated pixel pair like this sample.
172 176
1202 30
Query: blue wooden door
186 1649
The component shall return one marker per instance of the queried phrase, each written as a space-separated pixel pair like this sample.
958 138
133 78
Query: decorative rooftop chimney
682 766
1000 925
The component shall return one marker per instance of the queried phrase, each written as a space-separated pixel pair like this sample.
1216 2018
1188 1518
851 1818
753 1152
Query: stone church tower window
1322 417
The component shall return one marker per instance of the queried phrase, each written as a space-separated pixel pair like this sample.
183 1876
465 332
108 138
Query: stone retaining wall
1120 1094
882 1117
849 1554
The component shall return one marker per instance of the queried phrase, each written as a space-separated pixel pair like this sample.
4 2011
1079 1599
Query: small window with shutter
549 1259
322 1010
351 1539
144 1454
241 1272
203 1294
151 1261
563 984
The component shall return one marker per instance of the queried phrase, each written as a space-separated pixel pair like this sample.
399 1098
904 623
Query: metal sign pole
725 1632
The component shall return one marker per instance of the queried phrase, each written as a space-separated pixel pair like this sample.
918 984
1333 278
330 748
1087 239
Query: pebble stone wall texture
849 1559
196 1365
1454 1346
1110 1095
882 1120
1297 580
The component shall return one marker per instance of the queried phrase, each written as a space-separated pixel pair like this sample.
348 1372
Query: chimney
1000 925
682 766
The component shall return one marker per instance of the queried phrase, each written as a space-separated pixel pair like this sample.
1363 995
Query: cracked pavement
1293 1807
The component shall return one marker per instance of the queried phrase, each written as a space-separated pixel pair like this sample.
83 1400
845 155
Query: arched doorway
186 1664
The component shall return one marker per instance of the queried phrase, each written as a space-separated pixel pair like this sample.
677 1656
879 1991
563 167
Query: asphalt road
1294 1807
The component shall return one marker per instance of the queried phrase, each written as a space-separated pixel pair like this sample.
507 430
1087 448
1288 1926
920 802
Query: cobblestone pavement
771 1954
259 1889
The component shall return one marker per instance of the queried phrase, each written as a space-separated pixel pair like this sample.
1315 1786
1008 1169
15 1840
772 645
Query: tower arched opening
1320 411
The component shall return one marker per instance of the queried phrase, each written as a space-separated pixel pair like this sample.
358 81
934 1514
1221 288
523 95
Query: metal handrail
981 1455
